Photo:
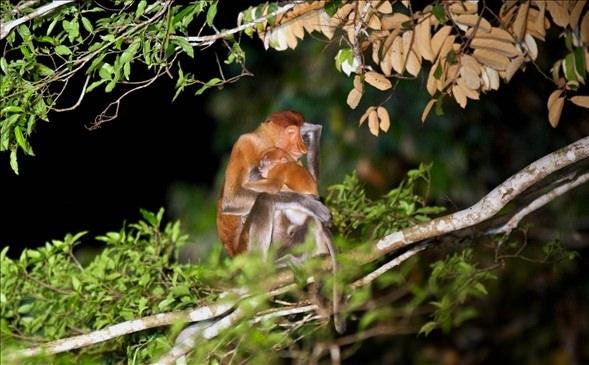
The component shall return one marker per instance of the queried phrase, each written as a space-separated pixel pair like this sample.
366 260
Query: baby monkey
278 171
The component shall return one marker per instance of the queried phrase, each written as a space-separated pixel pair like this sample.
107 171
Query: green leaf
13 161
211 12
428 327
479 287
87 25
4 65
11 109
332 7
439 13
184 44
580 63
130 52
148 216
569 67
62 50
94 85
22 142
438 72
106 71
75 283
140 8
212 82
44 70
52 25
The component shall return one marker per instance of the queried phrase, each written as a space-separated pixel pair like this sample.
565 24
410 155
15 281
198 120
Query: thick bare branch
124 328
488 206
539 203
210 39
6 28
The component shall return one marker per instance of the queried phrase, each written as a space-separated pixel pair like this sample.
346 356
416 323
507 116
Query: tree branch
6 28
125 328
210 39
539 203
485 208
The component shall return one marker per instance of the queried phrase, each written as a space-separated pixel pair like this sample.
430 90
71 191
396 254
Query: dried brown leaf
364 116
358 85
555 110
432 83
376 50
470 62
559 13
470 93
423 36
385 7
463 7
470 77
495 33
439 38
354 97
531 46
373 122
413 59
581 100
385 120
514 65
576 13
584 29
521 20
394 21
374 22
492 59
397 57
427 109
472 20
507 49
378 80
459 96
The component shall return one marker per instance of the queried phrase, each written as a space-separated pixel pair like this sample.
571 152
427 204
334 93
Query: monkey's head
288 132
270 158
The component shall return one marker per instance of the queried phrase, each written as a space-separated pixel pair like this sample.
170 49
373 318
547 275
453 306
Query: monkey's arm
311 133
238 199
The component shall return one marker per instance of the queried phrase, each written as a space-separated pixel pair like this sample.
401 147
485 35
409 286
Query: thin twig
77 104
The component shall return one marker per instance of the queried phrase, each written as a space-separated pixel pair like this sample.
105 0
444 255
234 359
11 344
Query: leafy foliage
105 45
355 215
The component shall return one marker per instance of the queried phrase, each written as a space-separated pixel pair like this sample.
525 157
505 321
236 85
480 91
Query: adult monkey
245 217
250 217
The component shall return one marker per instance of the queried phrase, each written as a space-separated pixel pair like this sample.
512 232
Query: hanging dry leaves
581 100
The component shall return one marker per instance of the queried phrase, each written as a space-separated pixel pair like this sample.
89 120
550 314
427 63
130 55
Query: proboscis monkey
251 214
245 216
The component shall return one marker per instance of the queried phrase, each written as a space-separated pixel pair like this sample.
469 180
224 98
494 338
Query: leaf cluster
357 216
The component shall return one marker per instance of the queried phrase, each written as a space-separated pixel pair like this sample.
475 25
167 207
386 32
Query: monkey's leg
259 224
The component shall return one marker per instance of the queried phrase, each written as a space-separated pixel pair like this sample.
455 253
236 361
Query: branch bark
6 28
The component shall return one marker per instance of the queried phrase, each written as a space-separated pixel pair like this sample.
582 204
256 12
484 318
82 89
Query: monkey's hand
307 203
308 128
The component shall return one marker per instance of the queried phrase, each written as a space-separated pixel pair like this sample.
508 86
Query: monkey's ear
283 159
